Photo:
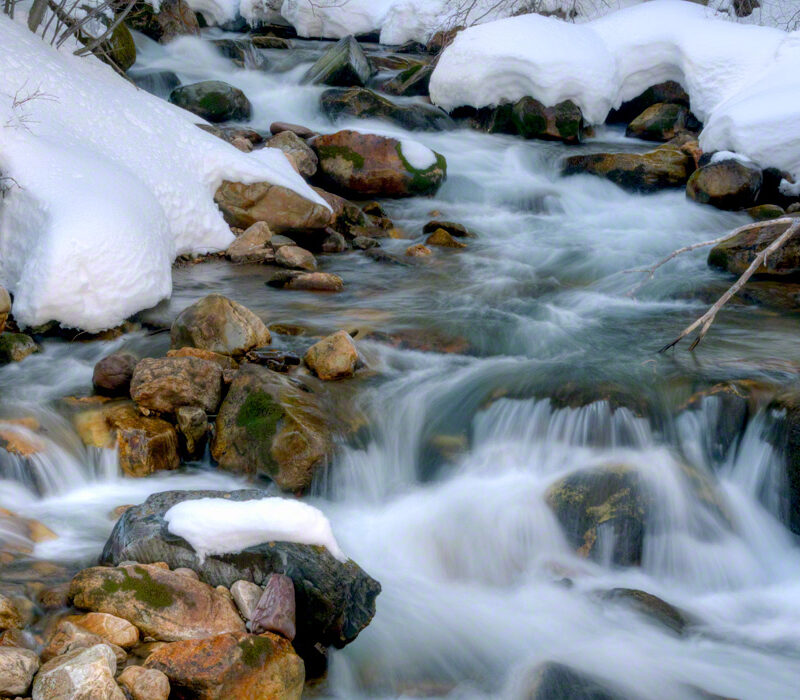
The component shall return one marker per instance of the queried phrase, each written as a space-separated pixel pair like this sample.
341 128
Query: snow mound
743 79
418 156
219 526
104 186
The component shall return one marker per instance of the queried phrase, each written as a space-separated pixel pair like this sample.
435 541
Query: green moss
330 152
123 49
144 588
255 650
568 121
409 73
427 180
259 415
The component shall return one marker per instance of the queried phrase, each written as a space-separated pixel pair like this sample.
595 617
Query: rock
246 595
366 104
275 611
669 92
533 120
342 65
159 83
112 375
82 673
213 100
193 427
145 683
453 228
736 254
788 441
413 81
281 208
17 668
18 534
162 604
15 347
418 251
307 281
218 324
165 384
68 637
728 184
367 165
268 425
270 42
5 307
232 667
335 600
295 258
174 18
765 212
610 500
334 357
659 122
304 157
662 168
10 618
242 52
251 246
120 50
281 241
554 681
334 243
365 243
442 238
302 131
652 606
113 629
224 361
276 360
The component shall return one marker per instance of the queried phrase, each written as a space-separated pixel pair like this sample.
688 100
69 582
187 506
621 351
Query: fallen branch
708 317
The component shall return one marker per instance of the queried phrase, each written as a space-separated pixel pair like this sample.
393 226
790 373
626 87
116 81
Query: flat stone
275 611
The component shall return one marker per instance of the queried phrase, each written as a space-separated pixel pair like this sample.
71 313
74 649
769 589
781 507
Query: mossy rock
15 347
659 122
213 100
727 184
533 120
121 48
737 254
342 65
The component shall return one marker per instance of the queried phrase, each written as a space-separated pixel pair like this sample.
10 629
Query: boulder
269 425
174 18
213 100
365 243
275 610
413 81
726 184
307 281
164 384
119 49
366 104
443 239
68 637
555 681
279 207
334 357
291 144
669 92
15 347
342 65
603 505
159 83
659 122
17 668
5 307
737 254
252 245
218 324
765 212
232 667
649 605
193 427
113 629
112 375
334 600
82 673
367 165
665 167
295 258
164 605
145 683
562 122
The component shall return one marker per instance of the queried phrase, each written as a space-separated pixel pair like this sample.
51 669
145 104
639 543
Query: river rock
611 499
737 254
251 246
418 251
5 307
367 165
232 667
15 347
269 425
162 604
295 258
145 683
334 600
659 122
334 242
662 168
275 610
246 595
307 281
454 229
112 375
242 52
652 606
334 357
765 212
555 681
342 65
164 384
10 618
293 145
302 131
82 673
281 208
17 668
113 629
533 120
174 18
366 104
727 184
68 637
788 441
213 100
193 427
365 243
669 92
443 239
413 81
218 324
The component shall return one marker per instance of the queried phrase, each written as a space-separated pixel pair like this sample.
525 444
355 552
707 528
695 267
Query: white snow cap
418 156
109 185
743 80
221 526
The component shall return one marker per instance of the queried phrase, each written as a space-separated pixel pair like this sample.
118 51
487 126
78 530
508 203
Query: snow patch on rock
417 155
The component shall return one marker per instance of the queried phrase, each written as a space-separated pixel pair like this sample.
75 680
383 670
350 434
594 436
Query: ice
221 526
419 157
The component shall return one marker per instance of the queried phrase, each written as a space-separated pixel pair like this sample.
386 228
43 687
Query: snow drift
743 80
104 186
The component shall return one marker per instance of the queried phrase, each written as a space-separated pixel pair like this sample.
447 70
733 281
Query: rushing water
441 498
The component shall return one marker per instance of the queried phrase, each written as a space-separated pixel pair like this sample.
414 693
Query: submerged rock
737 254
555 681
307 281
366 104
788 440
727 184
453 228
213 100
342 65
660 122
443 239
652 606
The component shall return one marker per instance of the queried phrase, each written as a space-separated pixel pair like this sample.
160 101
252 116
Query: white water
468 553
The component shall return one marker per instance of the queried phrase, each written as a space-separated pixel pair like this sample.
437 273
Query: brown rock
112 375
68 637
251 246
193 427
18 534
145 683
17 668
295 258
302 131
82 674
224 361
334 357
10 618
418 251
232 667
164 605
737 254
443 239
309 281
174 18
275 611
55 597
111 628
659 122
454 229
164 384
728 184
5 307
183 571
291 144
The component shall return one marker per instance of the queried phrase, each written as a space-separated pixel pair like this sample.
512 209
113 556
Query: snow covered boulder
342 65
367 165
335 599
212 100
726 184
660 122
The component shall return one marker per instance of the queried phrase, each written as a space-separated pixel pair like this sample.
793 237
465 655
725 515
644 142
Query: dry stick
708 317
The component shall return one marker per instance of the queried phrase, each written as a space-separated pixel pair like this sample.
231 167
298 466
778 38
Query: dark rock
454 229
193 429
787 439
413 81
275 610
652 606
112 375
366 104
242 51
212 100
669 92
159 83
728 184
174 18
737 254
660 122
270 42
365 243
765 212
276 360
554 681
334 243
342 65
533 120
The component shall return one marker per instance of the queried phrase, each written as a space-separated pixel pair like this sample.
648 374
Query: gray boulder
212 100
342 65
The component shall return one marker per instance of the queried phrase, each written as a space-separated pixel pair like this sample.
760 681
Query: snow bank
743 80
109 185
221 526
